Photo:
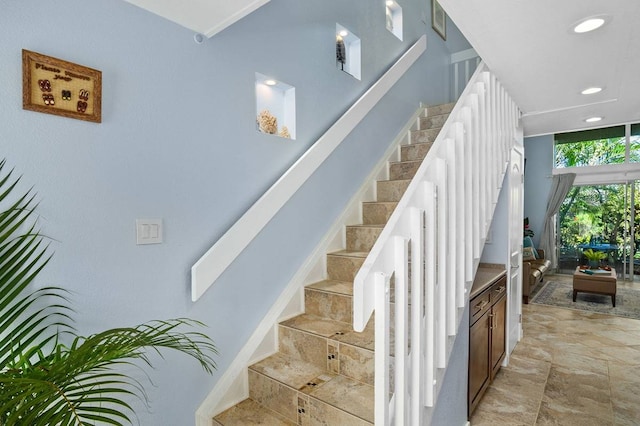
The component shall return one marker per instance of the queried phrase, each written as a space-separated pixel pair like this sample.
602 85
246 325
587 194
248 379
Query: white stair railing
463 65
437 233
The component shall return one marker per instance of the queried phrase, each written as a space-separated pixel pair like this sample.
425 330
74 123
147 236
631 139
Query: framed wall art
58 87
438 19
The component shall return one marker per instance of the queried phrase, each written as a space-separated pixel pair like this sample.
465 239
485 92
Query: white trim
464 55
216 260
602 174
233 386
232 19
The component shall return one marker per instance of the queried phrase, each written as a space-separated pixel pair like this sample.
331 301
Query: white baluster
429 282
417 301
381 290
401 249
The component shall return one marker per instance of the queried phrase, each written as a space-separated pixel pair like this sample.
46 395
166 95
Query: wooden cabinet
487 332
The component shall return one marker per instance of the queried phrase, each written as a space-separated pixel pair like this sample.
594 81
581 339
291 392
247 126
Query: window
634 145
591 147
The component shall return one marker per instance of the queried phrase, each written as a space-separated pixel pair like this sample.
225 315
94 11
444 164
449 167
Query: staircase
323 373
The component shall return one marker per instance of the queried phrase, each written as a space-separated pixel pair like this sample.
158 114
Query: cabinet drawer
479 305
498 290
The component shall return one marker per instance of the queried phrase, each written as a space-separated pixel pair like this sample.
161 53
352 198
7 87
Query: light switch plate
148 231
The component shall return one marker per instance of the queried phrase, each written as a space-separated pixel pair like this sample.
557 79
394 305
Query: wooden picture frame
438 19
54 86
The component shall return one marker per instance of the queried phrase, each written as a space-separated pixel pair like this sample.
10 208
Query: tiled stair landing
323 373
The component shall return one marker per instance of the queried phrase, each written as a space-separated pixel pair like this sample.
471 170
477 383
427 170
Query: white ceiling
530 46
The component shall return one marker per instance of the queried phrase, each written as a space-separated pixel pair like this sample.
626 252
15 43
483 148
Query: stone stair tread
320 326
250 413
360 225
333 286
288 370
354 397
395 180
407 162
350 253
334 330
388 203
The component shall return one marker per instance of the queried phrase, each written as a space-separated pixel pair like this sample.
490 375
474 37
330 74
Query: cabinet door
498 333
479 366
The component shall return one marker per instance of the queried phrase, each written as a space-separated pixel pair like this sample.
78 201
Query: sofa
533 272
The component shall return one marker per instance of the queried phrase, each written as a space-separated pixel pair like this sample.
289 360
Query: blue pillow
528 242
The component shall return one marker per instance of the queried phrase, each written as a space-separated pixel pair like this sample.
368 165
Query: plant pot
594 264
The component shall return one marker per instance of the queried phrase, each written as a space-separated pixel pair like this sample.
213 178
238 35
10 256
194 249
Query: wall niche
393 13
275 107
348 51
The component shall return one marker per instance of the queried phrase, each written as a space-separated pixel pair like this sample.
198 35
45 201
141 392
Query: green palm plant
44 381
594 255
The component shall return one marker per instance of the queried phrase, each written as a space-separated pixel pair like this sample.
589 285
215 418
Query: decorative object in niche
341 52
347 51
393 14
438 19
284 132
58 87
267 123
275 107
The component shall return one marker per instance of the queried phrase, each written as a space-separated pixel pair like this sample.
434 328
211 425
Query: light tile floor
571 368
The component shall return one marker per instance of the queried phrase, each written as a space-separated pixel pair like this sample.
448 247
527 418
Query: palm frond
83 379
26 319
45 382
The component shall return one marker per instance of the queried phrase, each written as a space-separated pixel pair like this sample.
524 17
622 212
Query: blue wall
451 408
537 181
178 142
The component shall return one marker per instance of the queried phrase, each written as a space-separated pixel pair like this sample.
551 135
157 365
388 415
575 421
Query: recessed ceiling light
343 33
588 24
593 119
270 82
591 90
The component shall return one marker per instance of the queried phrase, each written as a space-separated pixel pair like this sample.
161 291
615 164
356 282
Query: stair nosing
362 225
349 253
311 287
343 338
404 162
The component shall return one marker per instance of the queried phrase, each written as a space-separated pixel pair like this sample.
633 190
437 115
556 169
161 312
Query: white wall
178 142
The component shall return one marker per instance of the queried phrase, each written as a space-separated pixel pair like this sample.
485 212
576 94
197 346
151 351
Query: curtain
559 189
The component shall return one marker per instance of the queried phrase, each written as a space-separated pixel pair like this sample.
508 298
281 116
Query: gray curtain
559 189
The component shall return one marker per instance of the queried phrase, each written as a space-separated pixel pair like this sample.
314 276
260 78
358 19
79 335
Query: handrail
439 228
216 260
470 60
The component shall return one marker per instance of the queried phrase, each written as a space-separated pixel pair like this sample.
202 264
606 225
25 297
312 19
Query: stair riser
424 136
377 213
305 346
342 268
328 305
390 190
405 170
273 395
336 357
321 414
433 121
357 363
414 152
361 238
440 109
297 406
